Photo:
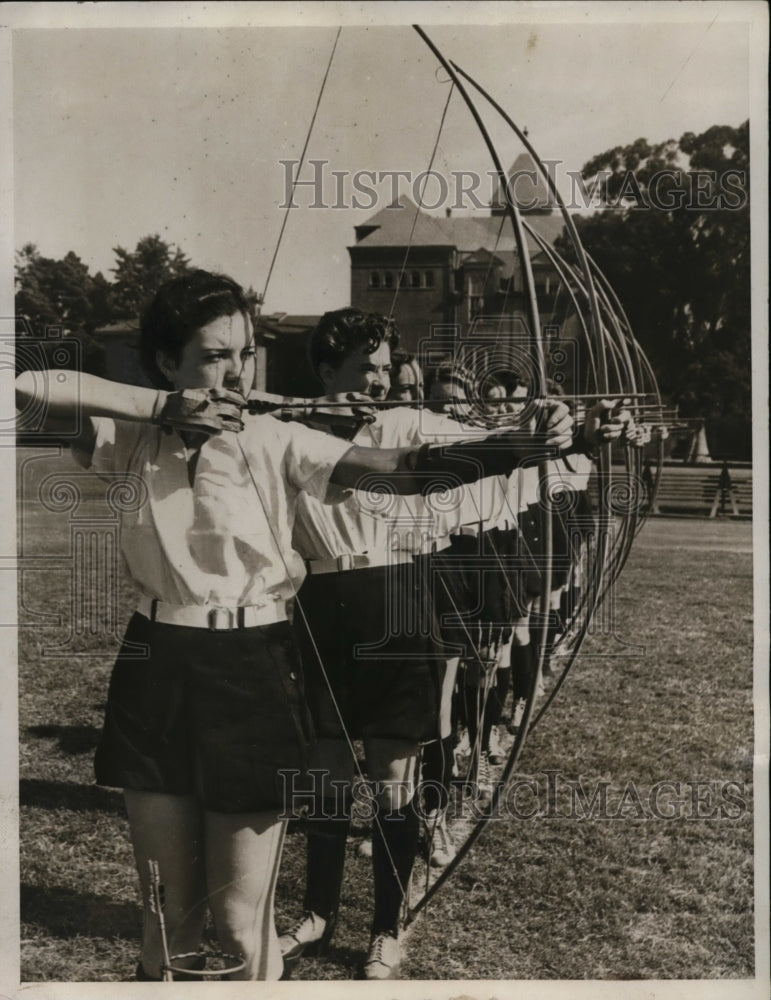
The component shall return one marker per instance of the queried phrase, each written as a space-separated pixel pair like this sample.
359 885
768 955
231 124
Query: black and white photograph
385 549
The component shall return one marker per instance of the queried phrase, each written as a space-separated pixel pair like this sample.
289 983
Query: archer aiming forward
198 731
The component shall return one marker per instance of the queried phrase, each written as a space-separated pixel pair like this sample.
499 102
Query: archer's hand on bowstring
606 422
549 427
636 435
546 428
201 411
351 410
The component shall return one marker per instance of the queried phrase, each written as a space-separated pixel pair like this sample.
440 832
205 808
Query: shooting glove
208 411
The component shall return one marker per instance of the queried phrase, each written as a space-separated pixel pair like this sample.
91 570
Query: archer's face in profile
517 400
404 387
448 396
220 354
494 401
361 371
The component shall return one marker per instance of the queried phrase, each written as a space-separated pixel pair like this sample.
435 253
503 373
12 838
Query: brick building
456 271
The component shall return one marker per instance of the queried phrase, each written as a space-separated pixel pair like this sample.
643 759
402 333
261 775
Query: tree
673 239
58 293
53 292
62 293
139 274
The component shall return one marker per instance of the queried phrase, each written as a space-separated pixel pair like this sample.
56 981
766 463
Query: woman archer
197 732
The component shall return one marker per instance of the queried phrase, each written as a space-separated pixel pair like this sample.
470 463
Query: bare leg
391 765
445 704
243 852
169 829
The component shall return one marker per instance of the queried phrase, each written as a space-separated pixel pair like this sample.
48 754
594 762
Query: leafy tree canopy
673 238
63 294
141 272
57 292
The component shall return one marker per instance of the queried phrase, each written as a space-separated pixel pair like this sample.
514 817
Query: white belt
210 617
345 563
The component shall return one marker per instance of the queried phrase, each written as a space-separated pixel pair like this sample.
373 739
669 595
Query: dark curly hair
180 307
401 360
342 331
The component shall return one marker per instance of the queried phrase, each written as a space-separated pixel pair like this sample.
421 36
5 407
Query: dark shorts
527 556
214 714
368 635
478 589
572 521
452 597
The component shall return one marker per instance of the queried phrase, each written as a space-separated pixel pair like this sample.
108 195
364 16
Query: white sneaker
494 748
384 960
309 930
441 849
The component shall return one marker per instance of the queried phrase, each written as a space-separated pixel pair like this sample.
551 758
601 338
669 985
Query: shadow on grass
348 961
69 795
65 913
72 739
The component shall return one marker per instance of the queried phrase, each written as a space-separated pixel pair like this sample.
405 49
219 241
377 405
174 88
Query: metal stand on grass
224 964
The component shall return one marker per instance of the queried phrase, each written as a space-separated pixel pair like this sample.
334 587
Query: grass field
658 884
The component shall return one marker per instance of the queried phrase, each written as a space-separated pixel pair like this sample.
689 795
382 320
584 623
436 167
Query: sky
121 132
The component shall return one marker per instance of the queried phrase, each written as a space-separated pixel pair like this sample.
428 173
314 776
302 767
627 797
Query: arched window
388 280
374 279
429 279
415 279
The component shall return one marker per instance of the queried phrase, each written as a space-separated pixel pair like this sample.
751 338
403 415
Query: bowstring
256 313
300 165
419 205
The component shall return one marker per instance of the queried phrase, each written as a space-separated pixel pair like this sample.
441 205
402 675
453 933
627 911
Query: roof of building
482 256
526 187
118 329
403 224
286 325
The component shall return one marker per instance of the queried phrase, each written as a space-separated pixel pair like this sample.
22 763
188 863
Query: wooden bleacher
709 490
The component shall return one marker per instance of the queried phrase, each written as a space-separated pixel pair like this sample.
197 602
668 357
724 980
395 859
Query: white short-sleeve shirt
227 539
377 522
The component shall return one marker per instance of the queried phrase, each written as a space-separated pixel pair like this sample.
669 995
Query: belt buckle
345 562
212 619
